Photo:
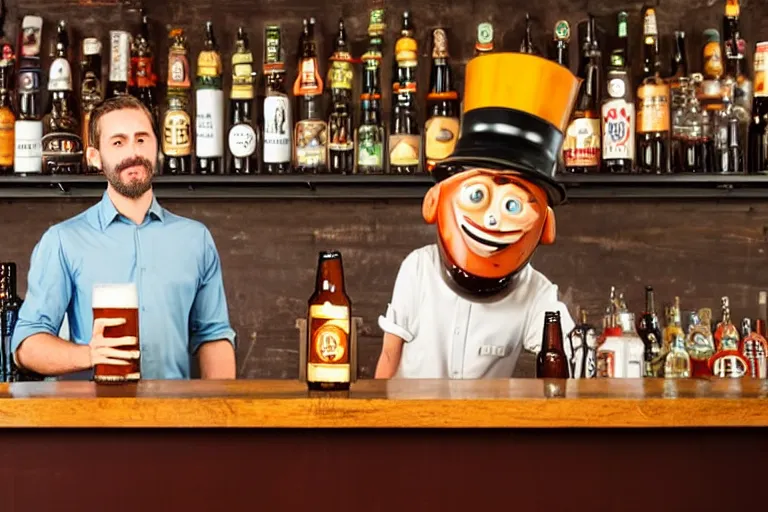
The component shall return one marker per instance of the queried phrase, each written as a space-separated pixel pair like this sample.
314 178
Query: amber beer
330 313
551 362
118 301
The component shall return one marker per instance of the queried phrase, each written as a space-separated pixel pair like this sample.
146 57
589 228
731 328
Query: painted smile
487 240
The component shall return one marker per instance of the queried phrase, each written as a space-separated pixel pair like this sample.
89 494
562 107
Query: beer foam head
115 296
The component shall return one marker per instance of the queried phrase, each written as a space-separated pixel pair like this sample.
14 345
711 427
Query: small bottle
551 361
728 361
677 364
650 332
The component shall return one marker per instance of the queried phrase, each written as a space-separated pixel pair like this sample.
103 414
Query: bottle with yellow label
442 127
176 130
329 361
405 136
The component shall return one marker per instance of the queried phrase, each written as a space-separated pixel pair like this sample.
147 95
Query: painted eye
475 194
513 206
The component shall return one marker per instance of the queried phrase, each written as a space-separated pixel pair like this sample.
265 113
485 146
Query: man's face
490 222
128 151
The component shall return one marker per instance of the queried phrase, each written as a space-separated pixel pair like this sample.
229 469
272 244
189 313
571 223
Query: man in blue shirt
126 238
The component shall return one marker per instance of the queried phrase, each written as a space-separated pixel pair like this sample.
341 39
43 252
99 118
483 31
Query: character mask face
489 222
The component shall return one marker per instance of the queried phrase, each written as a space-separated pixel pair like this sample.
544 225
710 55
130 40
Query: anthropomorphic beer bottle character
465 307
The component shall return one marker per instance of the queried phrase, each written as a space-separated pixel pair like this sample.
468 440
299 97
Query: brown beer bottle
329 326
551 362
442 127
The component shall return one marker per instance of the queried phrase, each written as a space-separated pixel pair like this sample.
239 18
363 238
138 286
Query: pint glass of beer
118 301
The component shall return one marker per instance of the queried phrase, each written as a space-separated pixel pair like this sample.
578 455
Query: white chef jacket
448 335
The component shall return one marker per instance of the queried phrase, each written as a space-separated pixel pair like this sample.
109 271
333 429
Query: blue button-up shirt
173 261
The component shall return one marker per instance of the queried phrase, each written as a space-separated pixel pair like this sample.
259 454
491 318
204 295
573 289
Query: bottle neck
650 306
553 333
330 277
7 281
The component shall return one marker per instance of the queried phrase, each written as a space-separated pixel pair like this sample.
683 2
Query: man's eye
116 143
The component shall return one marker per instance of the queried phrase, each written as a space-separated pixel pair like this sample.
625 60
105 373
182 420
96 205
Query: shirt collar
108 213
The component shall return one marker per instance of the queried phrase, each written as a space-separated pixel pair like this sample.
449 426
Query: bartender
465 307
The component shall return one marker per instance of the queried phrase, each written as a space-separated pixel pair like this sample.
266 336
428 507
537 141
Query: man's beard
137 186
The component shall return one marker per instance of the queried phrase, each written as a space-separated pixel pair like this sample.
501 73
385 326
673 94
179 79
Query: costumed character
464 307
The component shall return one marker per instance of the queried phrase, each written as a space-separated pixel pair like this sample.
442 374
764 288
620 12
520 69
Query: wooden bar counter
523 444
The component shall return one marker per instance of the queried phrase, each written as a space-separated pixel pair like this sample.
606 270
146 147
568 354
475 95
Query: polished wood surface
512 403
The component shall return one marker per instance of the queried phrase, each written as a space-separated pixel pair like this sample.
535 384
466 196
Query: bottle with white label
119 63
622 356
27 154
209 119
243 137
618 116
276 153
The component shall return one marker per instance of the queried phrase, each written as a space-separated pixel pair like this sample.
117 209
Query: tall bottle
650 332
551 361
62 145
728 362
441 130
142 80
341 129
278 123
243 137
561 41
329 362
119 63
311 132
28 150
7 109
177 124
209 104
581 148
370 138
91 93
10 303
652 105
757 142
618 118
404 137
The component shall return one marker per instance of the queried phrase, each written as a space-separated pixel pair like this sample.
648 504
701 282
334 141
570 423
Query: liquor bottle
699 342
441 130
727 136
277 109
673 325
650 332
653 116
727 362
370 138
735 55
754 348
209 106
561 40
484 41
341 130
551 361
90 88
10 303
142 80
618 116
679 67
583 342
757 143
581 148
329 327
28 150
243 137
62 145
527 46
311 131
119 63
677 363
622 353
7 109
177 124
762 314
404 137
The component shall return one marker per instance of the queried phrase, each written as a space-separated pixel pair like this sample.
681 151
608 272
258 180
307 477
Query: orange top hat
517 107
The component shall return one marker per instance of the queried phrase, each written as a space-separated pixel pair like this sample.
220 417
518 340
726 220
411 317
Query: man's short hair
116 103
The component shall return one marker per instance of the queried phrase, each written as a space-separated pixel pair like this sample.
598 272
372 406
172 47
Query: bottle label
209 64
91 46
582 143
329 351
761 70
404 149
90 90
28 81
441 134
311 143
7 140
605 364
177 135
178 69
31 26
28 150
60 76
341 75
713 61
308 82
653 108
144 77
340 128
618 130
209 123
370 146
277 131
242 77
62 152
120 54
242 140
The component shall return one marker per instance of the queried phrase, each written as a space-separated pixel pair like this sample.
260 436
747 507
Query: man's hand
103 349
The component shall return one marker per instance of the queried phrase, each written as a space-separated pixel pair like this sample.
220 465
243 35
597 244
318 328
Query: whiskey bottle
28 150
177 127
370 137
209 103
441 130
90 88
405 137
142 80
242 139
310 137
276 109
341 129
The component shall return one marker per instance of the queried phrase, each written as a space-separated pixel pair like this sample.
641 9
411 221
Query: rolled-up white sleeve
547 300
402 310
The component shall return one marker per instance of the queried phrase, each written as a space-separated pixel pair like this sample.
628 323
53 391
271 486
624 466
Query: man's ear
548 232
93 157
429 205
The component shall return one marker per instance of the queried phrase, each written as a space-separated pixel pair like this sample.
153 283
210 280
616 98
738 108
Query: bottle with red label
754 348
728 361
618 113
142 80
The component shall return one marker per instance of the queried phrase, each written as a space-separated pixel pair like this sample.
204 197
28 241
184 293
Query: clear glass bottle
678 363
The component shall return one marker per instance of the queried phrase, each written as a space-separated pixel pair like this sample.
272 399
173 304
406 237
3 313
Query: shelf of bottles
688 135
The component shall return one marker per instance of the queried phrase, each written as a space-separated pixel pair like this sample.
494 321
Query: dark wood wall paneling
699 250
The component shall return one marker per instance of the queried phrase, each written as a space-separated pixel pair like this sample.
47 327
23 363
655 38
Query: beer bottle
581 149
243 138
209 102
618 115
277 108
562 36
10 303
27 154
310 138
329 327
119 63
7 110
341 132
551 361
650 332
142 77
404 138
62 145
442 128
90 88
177 125
653 128
369 145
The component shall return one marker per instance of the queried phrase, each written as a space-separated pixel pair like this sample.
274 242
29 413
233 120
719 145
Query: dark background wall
699 250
